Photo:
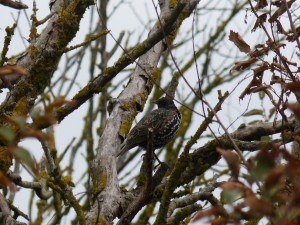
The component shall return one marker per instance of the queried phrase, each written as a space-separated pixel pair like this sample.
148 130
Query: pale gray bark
108 202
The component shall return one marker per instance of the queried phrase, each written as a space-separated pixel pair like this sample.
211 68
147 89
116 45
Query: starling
164 121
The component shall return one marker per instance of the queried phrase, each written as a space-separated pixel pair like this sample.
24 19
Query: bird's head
165 102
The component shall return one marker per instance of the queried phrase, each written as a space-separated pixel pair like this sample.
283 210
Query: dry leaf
260 88
293 87
255 82
275 176
259 206
293 36
27 158
259 71
260 4
233 161
259 21
241 65
58 102
6 182
239 42
276 79
295 107
12 69
215 210
233 185
282 9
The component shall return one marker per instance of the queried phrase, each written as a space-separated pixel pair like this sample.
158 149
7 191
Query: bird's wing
149 121
139 133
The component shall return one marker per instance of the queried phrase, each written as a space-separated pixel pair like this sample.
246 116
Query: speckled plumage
164 121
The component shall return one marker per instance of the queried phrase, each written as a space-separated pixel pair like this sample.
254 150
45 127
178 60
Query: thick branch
5 216
41 58
38 187
135 94
109 73
13 4
146 186
206 156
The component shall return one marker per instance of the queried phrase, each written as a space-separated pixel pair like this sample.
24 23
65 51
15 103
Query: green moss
7 40
99 221
157 193
100 184
41 206
33 30
67 179
286 135
136 104
149 210
183 15
5 159
126 123
20 108
155 73
140 100
173 3
33 51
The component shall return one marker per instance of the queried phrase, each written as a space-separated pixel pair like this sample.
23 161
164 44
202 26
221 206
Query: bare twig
38 187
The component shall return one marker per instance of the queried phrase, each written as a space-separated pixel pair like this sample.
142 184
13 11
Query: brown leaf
275 178
30 132
282 9
259 71
219 221
259 21
26 157
241 65
55 104
215 210
12 69
295 107
293 87
277 3
255 82
293 36
260 4
280 28
276 79
6 182
239 42
233 161
232 185
259 51
283 58
258 206
260 88
277 66
44 120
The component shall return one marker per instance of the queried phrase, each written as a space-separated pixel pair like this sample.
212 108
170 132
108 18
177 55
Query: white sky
124 19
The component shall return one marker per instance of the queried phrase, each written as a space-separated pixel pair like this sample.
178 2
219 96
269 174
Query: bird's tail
123 149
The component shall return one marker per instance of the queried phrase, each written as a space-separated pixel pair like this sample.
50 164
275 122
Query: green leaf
7 133
254 112
229 196
21 121
26 157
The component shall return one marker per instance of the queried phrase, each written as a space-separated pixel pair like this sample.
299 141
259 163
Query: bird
164 121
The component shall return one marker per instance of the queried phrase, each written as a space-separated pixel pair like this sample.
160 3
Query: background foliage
77 74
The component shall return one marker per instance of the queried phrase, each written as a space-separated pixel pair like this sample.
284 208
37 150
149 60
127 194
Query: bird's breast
167 131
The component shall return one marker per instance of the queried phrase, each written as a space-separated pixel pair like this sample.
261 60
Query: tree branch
13 4
134 95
